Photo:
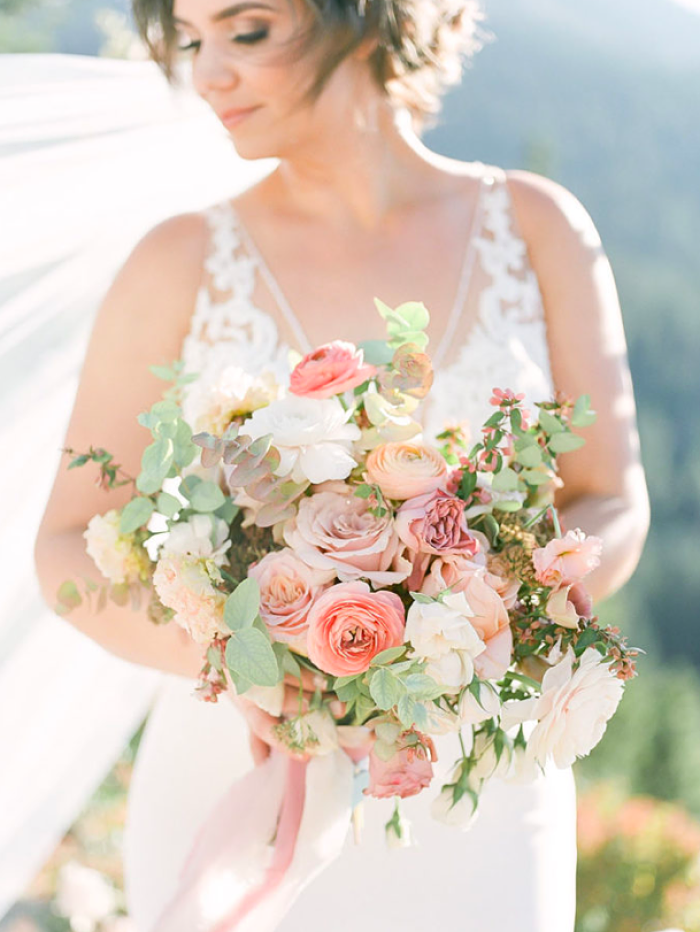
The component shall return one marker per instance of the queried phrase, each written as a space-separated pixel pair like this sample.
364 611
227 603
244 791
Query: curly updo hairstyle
421 45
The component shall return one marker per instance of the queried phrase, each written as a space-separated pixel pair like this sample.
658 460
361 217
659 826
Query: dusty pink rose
336 531
406 773
490 618
566 560
403 470
349 624
288 588
434 524
329 370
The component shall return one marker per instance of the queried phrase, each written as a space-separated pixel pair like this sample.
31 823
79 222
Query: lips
235 115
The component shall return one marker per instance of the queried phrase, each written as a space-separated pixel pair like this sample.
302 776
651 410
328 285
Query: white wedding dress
515 868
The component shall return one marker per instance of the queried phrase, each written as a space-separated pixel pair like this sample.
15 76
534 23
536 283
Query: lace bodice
498 337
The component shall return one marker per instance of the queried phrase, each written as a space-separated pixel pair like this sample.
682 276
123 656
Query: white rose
573 711
473 712
84 896
461 814
115 555
437 627
452 671
488 764
311 435
202 536
399 836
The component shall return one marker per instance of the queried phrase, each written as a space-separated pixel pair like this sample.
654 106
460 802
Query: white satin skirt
514 869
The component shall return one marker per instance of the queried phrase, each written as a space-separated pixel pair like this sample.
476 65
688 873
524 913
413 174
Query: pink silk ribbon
270 834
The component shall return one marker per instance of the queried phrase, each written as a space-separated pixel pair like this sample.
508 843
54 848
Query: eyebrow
232 11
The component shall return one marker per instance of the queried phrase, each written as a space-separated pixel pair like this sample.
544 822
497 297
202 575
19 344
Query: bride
520 295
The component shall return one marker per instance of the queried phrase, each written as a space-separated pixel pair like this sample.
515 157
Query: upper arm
585 335
141 322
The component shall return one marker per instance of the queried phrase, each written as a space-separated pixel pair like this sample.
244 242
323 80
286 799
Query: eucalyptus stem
555 520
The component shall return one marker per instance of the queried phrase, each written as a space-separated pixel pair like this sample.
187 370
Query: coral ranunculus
329 370
349 624
404 470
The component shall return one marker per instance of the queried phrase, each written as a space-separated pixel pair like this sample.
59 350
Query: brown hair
420 45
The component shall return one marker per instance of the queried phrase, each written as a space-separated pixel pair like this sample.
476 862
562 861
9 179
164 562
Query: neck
357 177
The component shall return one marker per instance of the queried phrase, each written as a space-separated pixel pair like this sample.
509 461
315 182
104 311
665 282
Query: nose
213 70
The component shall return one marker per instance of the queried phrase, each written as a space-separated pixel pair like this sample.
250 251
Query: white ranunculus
573 711
202 536
311 435
84 896
461 814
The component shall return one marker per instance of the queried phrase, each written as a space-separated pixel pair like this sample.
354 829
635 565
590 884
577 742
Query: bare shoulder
549 215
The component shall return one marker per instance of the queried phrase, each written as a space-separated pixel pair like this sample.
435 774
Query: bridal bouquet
429 586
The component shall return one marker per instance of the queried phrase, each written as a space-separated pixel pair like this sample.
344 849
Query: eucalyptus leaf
227 511
549 422
206 497
507 505
249 654
535 476
582 415
135 514
184 450
505 481
376 352
167 504
189 484
529 456
242 606
565 443
68 598
155 465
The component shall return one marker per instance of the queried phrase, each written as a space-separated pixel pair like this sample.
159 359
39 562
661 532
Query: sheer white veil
93 153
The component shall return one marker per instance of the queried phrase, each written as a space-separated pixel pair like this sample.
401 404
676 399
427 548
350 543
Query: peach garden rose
406 773
349 624
405 470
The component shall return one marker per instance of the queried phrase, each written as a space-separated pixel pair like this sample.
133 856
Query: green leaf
385 688
565 443
166 373
534 476
167 504
165 411
414 314
240 682
422 686
388 655
185 451
585 639
506 480
420 716
364 491
376 352
364 707
495 419
289 662
507 505
549 422
406 710
189 484
529 456
207 496
582 415
242 606
155 465
68 598
135 514
249 654
491 529
348 692
228 510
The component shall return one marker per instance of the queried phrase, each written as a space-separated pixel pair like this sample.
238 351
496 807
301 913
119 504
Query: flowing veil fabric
93 153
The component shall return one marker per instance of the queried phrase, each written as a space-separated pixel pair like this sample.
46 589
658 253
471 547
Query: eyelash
246 38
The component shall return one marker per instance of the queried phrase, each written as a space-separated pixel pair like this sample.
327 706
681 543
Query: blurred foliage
638 864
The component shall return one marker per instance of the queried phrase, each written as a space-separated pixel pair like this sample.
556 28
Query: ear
366 47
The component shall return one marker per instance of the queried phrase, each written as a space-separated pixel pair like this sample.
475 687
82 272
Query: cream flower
573 711
461 814
203 536
235 393
311 435
117 556
185 585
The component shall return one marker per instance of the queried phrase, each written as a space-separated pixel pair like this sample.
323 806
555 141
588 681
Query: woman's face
243 59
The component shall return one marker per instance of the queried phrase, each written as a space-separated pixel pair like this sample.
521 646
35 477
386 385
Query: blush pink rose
434 524
349 624
490 615
337 531
566 560
329 370
288 588
406 773
403 470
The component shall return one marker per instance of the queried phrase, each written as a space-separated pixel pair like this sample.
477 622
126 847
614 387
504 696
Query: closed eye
247 38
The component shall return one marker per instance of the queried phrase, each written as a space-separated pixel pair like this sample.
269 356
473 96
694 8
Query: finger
263 725
310 681
293 704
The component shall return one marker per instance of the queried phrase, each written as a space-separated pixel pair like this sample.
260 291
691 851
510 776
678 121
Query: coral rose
406 773
288 588
566 560
337 531
405 470
349 625
329 370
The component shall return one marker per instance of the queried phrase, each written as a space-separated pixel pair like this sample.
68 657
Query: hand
262 724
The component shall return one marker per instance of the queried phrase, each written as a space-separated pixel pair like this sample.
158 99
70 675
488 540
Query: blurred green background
604 97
